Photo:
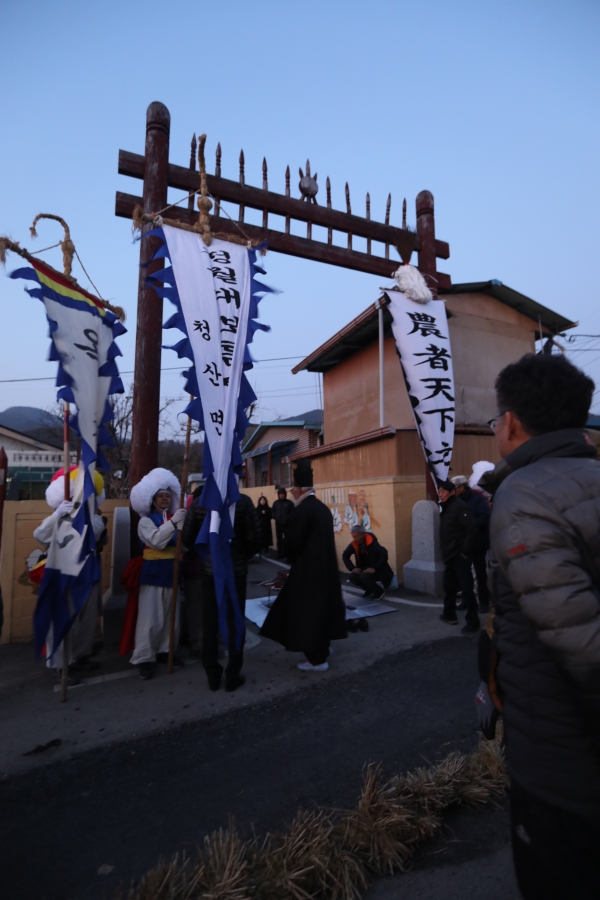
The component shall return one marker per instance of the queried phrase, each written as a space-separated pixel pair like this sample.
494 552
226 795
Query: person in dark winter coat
545 538
458 533
244 545
282 512
309 611
264 514
482 511
370 563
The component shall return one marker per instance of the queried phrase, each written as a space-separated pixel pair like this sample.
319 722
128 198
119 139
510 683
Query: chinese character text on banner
423 341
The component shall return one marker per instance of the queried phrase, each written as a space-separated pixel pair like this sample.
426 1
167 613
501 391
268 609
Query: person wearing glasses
545 537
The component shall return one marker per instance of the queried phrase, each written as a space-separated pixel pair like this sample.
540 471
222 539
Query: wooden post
3 480
175 594
426 231
381 367
430 488
146 385
67 495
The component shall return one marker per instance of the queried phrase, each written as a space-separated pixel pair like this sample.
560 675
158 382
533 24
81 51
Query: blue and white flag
423 341
216 295
83 336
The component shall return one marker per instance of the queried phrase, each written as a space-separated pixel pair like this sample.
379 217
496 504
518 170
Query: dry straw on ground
331 855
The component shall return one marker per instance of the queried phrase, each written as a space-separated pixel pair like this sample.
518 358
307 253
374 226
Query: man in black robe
309 611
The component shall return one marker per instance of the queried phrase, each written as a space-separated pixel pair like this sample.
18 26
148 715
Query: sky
492 106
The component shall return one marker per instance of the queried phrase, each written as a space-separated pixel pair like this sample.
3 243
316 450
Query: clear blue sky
493 106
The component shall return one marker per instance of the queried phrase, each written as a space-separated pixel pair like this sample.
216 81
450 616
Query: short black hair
546 393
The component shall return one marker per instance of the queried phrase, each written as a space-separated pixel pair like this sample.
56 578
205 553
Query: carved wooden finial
404 214
308 168
242 168
218 161
368 217
287 182
348 206
328 186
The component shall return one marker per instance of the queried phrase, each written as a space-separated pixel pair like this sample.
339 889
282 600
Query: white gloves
63 508
178 518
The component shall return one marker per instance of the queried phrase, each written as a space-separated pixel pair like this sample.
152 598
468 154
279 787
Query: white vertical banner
214 290
423 341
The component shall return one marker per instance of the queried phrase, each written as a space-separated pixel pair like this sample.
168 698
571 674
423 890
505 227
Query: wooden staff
174 596
67 478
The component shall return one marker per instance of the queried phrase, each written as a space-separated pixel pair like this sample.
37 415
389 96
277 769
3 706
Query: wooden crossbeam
279 242
185 179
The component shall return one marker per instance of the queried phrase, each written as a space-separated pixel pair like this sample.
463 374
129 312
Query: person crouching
155 498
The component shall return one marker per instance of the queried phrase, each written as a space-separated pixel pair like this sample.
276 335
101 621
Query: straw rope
327 854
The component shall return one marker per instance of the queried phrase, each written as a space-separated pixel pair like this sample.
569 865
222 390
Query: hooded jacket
545 533
373 554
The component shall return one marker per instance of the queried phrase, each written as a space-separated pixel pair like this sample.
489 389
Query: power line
131 371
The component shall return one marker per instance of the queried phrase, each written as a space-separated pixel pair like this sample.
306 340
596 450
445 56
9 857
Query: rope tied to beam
69 251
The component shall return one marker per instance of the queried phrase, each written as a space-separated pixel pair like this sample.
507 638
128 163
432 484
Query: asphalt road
126 806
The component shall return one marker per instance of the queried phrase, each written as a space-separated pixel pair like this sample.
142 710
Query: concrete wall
20 519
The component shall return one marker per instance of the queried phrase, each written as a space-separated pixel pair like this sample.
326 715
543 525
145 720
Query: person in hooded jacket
282 510
482 511
367 562
545 535
458 533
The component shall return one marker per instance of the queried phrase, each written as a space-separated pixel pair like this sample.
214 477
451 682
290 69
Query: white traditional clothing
158 534
83 629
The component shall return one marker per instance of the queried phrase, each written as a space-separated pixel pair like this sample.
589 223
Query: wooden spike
265 215
368 219
242 181
287 194
349 211
329 230
388 207
404 214
193 168
218 174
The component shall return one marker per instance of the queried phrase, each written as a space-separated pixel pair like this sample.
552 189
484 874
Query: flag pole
174 596
67 479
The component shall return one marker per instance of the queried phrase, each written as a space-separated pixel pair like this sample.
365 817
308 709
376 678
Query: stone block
425 570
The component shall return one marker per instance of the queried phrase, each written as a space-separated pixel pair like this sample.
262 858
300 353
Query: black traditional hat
303 474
